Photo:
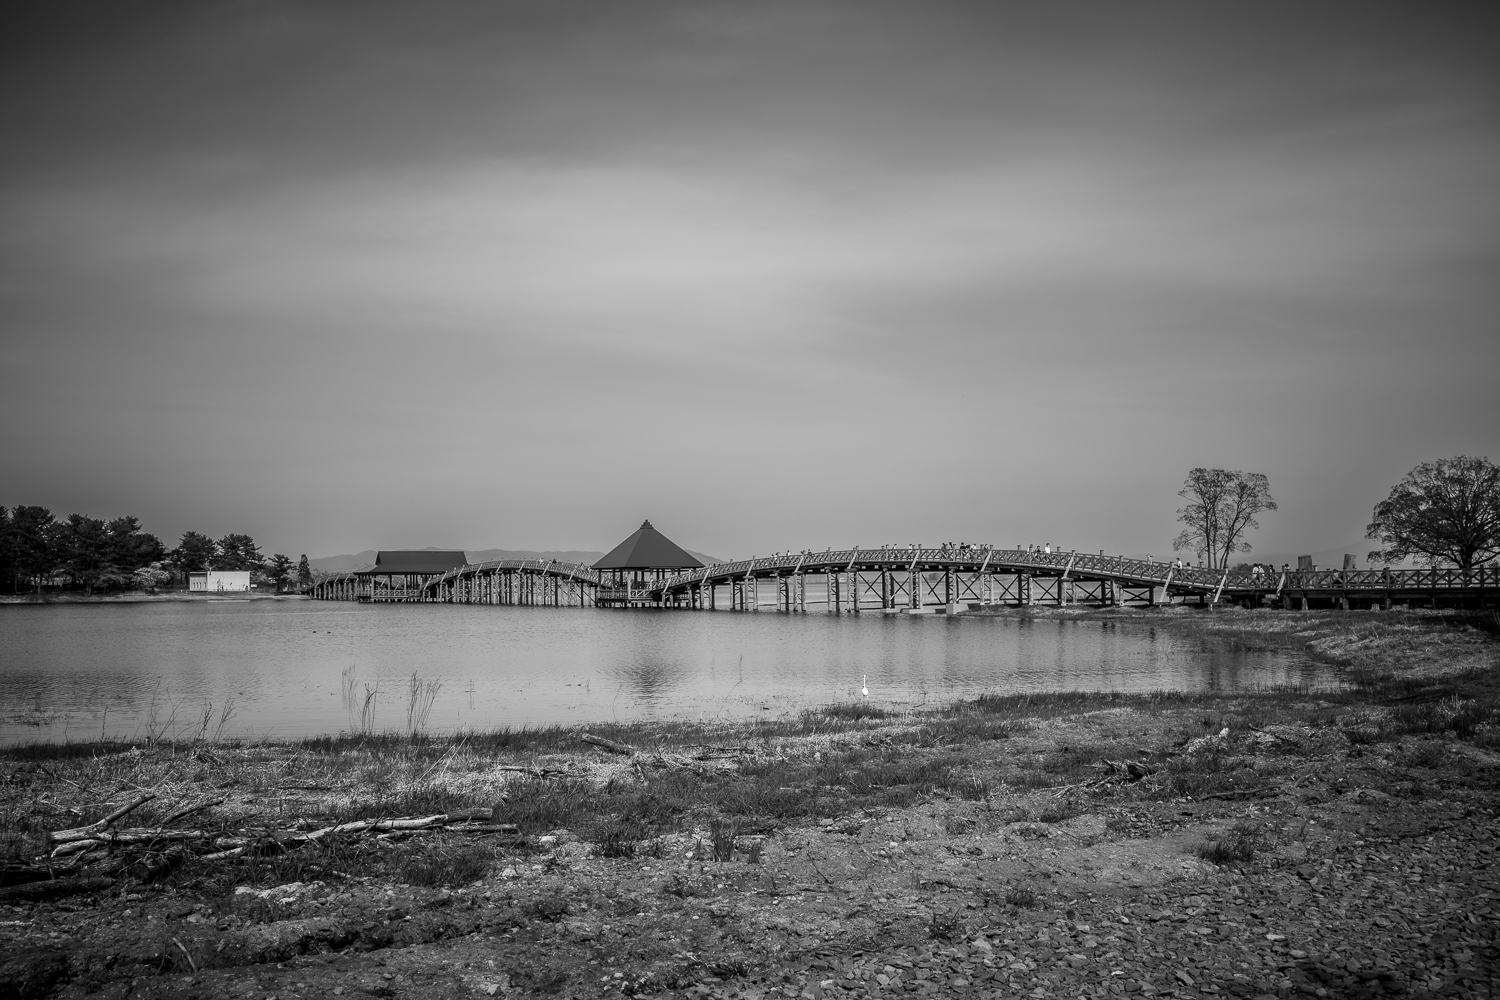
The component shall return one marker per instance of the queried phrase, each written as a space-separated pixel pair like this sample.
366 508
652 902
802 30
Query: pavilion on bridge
641 561
400 575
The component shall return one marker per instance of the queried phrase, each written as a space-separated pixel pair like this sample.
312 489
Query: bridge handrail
1121 568
577 571
839 560
1110 567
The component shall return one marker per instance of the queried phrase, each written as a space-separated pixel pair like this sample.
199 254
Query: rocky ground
1277 845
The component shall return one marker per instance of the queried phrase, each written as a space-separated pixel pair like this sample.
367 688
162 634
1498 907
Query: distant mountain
343 564
360 560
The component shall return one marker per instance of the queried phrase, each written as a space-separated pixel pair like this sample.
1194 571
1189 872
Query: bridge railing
966 559
575 571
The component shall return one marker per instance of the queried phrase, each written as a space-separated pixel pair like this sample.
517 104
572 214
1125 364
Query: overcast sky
774 275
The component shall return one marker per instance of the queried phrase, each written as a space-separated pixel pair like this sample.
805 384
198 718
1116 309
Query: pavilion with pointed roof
645 558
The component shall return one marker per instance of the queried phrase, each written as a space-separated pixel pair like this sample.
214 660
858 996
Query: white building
219 582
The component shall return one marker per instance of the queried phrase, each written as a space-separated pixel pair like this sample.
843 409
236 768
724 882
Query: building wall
219 582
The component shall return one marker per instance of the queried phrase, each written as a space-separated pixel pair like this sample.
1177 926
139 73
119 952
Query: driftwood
137 852
610 745
93 829
661 759
533 772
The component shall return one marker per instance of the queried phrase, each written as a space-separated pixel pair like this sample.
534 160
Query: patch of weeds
418 801
537 806
1204 773
445 865
968 725
945 925
617 838
1240 843
852 712
1429 753
723 832
311 863
1323 718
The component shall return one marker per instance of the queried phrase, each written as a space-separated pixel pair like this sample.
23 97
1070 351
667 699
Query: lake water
291 668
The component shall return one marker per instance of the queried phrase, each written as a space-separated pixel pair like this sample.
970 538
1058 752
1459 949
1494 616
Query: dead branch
535 772
610 745
85 832
117 847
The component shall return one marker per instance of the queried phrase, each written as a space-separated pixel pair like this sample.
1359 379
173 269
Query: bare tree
1221 507
1443 511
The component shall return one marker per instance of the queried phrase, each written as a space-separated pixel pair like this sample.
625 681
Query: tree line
92 554
1440 513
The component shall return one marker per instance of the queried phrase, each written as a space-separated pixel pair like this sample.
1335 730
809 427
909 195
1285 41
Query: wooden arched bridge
921 580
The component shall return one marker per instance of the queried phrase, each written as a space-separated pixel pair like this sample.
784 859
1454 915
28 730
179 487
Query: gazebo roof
423 562
648 549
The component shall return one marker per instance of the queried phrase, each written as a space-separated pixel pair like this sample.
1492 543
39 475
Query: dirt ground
1285 845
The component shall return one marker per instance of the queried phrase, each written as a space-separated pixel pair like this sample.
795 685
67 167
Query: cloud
571 254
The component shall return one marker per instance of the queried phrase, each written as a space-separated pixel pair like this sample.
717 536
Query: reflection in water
291 668
651 682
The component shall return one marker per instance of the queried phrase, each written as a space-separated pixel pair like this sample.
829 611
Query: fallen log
21 874
610 745
36 892
87 832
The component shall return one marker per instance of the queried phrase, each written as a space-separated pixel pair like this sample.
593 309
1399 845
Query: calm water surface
288 668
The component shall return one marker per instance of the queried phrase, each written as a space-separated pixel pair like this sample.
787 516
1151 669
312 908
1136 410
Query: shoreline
137 597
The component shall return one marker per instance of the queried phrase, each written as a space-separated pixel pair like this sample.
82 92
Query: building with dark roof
401 574
644 558
415 562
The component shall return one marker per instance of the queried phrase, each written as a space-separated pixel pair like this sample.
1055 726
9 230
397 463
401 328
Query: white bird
865 681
